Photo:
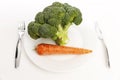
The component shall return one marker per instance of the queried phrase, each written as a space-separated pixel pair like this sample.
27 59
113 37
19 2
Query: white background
105 12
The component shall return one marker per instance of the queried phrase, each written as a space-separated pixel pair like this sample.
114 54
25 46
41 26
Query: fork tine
22 26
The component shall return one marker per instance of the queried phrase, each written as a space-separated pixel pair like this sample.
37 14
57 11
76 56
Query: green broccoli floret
54 21
33 30
47 31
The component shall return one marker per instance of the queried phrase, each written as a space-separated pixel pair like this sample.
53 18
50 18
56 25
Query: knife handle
107 53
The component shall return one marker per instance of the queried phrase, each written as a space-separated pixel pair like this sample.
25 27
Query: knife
100 37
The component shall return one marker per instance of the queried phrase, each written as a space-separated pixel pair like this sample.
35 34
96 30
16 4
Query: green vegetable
33 29
54 21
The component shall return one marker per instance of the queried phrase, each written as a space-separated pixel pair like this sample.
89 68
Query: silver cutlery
21 31
100 37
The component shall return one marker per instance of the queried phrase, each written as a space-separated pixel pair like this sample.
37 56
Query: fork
100 37
21 31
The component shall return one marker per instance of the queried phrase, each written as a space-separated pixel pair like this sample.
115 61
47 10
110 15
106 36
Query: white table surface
105 12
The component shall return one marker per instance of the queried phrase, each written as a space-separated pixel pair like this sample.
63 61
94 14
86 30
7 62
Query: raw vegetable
54 21
50 49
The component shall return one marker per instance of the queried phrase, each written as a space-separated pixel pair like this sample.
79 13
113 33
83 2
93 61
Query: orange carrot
50 49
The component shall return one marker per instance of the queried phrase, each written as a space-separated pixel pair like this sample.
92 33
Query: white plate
79 37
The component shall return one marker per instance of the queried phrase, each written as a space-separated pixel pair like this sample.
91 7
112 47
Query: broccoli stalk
54 21
62 35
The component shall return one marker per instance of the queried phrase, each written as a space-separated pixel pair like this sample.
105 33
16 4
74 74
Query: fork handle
18 53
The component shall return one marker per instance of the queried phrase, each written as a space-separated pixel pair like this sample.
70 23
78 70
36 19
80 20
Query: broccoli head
54 21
